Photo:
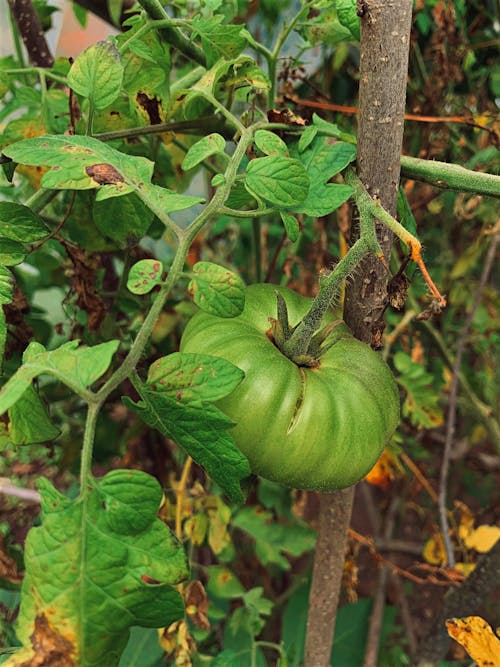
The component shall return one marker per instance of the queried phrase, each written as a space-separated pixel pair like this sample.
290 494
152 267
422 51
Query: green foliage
124 563
183 181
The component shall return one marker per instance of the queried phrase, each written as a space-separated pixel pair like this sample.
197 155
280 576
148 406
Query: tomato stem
298 345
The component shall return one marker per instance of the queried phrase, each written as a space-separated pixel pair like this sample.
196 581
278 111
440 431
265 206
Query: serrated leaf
291 225
279 180
217 290
78 367
348 16
270 144
29 421
80 162
219 40
144 275
6 285
20 223
11 252
191 378
202 149
97 74
3 336
421 404
201 430
103 561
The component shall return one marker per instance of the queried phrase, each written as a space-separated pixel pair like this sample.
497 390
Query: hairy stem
451 176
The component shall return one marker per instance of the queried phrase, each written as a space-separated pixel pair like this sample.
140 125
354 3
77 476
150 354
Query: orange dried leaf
385 470
478 639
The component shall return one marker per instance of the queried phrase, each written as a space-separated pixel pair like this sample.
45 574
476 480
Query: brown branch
334 516
31 32
452 406
466 600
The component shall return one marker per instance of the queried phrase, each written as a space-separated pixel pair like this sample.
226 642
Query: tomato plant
320 427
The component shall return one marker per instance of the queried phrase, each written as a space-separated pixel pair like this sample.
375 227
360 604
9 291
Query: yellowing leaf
434 552
483 538
478 639
465 568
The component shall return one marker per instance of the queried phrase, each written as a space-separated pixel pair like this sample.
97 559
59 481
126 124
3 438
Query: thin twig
452 407
9 489
377 615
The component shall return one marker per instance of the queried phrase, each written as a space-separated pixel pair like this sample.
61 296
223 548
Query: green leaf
191 378
348 16
423 394
212 144
279 180
11 252
81 163
272 539
6 285
20 223
405 213
217 39
217 290
125 220
291 225
306 137
78 367
167 201
270 144
29 421
324 158
143 649
115 10
102 562
201 430
144 275
3 336
97 74
223 583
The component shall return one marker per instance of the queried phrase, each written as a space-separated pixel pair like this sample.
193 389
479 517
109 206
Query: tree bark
464 601
31 32
385 38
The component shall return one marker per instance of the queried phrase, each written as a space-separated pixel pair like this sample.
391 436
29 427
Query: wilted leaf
217 290
190 378
144 275
477 638
421 404
434 551
103 561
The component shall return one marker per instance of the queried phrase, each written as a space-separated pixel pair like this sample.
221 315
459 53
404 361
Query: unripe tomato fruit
308 428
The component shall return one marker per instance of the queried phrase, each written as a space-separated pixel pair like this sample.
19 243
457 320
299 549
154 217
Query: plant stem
88 446
197 126
452 176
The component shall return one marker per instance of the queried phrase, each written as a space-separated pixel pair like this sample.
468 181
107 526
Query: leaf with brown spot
478 639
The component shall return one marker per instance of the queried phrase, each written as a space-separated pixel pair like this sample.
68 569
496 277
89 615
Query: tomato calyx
281 332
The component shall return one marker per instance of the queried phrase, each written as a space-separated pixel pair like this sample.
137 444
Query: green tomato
319 428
